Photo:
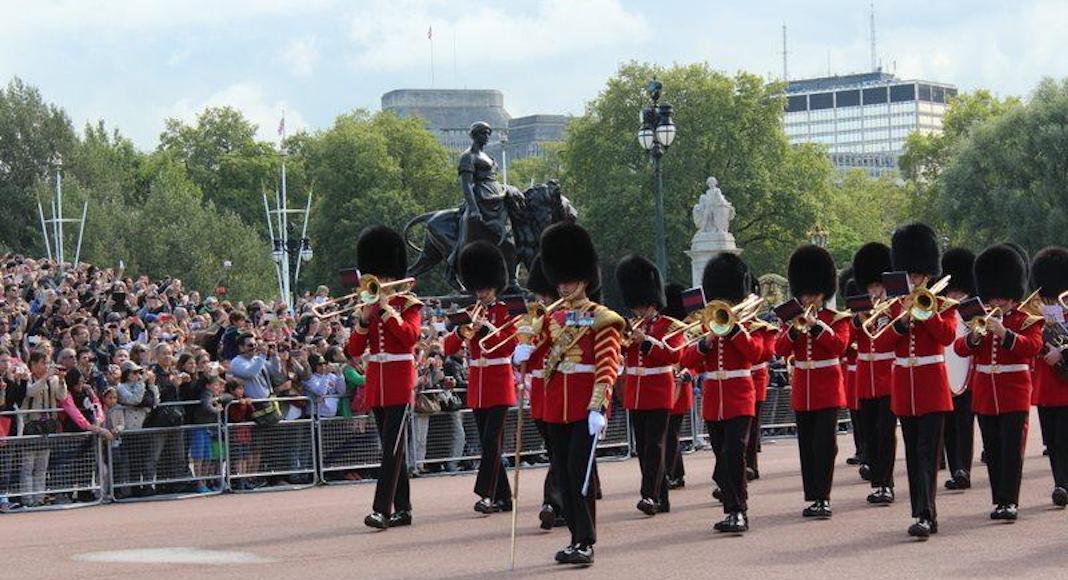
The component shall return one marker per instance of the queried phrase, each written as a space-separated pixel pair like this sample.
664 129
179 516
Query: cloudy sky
134 63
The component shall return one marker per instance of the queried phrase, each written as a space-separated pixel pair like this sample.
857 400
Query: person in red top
847 287
490 383
1002 382
817 340
725 357
766 333
683 397
649 387
874 375
1049 273
960 424
920 395
387 331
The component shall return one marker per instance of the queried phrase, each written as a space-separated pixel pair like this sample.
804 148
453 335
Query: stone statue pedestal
712 215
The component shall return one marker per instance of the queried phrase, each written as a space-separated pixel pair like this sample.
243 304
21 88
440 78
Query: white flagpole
430 37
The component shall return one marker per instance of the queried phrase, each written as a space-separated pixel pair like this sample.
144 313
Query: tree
32 133
730 128
864 209
537 168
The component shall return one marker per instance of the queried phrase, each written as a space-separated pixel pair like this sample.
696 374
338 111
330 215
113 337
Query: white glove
596 422
522 353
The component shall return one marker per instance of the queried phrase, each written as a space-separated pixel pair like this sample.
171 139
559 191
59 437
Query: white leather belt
759 367
537 374
489 362
384 357
875 356
722 375
570 368
919 361
999 369
646 371
851 368
816 364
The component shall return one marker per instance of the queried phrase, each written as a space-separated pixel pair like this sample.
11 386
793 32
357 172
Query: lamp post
656 134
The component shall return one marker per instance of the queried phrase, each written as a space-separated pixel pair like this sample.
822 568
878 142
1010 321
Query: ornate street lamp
656 134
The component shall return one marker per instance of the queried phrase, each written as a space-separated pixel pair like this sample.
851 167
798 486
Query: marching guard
816 339
958 263
388 330
682 399
767 334
1049 274
491 384
649 386
1003 352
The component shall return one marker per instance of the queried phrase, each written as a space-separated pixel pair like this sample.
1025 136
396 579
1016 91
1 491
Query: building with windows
863 119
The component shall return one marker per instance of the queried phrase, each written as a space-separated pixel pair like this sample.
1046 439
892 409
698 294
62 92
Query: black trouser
818 446
923 449
880 439
1003 438
492 479
752 448
673 449
571 443
391 489
1054 422
729 439
550 491
650 437
860 429
960 434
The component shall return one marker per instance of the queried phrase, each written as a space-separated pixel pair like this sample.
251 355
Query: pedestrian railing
283 452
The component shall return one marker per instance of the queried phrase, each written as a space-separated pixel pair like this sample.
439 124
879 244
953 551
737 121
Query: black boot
547 516
676 483
854 460
581 554
812 510
563 555
962 479
1060 497
401 518
921 529
1011 513
734 523
824 510
486 506
648 506
376 520
717 494
865 471
751 474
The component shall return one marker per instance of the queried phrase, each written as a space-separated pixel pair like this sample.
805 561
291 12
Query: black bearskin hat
1000 272
537 282
380 251
673 298
482 266
959 265
1026 261
726 277
851 289
639 282
844 278
869 263
568 255
811 271
914 249
1049 272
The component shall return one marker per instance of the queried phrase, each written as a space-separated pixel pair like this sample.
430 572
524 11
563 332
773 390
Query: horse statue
536 209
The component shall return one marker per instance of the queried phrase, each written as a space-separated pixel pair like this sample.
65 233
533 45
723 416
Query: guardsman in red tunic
960 424
920 396
552 505
1049 274
683 397
846 287
817 342
874 374
649 387
725 357
766 333
387 331
490 383
581 367
1002 382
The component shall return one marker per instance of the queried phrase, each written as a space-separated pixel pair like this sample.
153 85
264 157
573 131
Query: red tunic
1050 389
1002 379
390 344
920 385
817 381
727 389
761 373
490 382
849 371
650 367
875 367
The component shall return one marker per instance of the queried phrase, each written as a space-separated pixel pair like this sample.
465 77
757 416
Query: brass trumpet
476 312
628 330
719 317
535 311
801 323
979 324
923 305
369 291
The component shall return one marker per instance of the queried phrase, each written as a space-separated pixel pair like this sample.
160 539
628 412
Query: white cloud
252 101
392 34
301 55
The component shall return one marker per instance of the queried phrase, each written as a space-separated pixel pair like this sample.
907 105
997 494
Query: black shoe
402 518
485 506
1010 514
581 555
1060 497
734 523
921 529
717 494
647 506
376 520
934 526
962 479
563 555
854 460
865 471
881 496
812 510
998 513
560 522
663 507
503 505
547 517
951 484
676 483
751 474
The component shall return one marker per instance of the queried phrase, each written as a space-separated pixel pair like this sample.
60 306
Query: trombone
979 324
800 323
720 316
475 312
369 291
923 305
535 311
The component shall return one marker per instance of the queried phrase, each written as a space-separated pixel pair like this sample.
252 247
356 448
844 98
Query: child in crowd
240 435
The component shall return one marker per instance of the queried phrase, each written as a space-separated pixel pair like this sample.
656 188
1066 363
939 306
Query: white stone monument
712 215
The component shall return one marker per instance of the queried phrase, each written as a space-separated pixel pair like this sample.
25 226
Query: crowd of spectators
88 349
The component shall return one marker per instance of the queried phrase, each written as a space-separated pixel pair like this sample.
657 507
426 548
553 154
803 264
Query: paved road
318 534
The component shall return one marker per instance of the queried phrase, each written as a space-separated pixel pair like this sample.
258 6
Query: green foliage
863 209
537 168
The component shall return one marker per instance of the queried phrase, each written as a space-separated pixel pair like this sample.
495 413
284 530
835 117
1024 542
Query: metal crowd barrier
347 447
50 471
168 461
285 451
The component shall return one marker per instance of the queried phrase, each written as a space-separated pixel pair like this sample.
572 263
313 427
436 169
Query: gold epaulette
840 314
410 300
1030 321
757 324
604 317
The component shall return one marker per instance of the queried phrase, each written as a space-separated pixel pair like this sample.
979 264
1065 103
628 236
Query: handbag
46 426
426 404
450 401
266 413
